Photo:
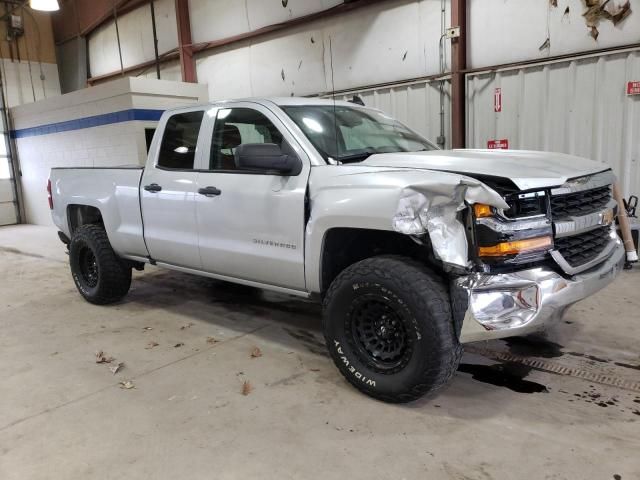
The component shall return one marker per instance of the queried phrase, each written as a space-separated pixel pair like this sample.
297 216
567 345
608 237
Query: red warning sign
498 144
633 88
497 100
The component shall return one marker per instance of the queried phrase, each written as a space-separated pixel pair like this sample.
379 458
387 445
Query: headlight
522 234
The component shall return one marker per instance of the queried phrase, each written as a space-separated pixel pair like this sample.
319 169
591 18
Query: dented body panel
357 196
526 169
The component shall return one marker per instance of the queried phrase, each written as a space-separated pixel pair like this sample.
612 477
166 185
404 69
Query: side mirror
267 157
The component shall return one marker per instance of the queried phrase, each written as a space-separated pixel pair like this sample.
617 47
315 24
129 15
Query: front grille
580 203
580 249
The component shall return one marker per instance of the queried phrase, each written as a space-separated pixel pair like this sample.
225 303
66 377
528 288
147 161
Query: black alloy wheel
379 333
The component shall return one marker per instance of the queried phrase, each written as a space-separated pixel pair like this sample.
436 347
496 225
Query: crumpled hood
526 169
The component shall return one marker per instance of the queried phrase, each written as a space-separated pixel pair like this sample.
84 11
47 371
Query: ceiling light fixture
44 5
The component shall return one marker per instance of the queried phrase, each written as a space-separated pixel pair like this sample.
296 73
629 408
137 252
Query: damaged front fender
413 202
433 207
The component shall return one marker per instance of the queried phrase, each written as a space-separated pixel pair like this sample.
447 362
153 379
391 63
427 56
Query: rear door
168 192
251 225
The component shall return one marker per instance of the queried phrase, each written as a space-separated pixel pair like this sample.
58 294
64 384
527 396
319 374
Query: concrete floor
62 416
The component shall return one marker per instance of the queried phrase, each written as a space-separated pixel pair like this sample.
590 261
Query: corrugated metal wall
416 104
574 106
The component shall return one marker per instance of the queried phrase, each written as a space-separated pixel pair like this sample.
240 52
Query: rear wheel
99 274
389 329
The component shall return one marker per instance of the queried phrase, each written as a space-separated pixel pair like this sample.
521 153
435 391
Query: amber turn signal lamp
515 247
482 211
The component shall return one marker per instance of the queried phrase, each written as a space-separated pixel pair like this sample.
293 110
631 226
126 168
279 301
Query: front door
168 191
251 224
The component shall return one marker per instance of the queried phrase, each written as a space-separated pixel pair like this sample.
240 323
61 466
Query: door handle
154 187
209 191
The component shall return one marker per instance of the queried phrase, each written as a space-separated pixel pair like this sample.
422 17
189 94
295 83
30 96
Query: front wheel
389 329
99 274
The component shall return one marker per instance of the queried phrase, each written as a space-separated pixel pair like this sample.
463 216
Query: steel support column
458 83
187 63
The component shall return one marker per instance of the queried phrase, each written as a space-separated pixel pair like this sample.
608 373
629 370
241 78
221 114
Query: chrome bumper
519 303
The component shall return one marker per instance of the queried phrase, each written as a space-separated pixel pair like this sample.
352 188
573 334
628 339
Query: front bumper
507 305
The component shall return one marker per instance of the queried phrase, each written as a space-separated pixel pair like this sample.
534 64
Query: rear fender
114 193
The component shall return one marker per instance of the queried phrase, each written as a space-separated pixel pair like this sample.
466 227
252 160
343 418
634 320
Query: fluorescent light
44 5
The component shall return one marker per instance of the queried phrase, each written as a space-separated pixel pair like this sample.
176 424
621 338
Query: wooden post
625 228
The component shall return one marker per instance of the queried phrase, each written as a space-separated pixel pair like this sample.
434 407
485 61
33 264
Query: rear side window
178 148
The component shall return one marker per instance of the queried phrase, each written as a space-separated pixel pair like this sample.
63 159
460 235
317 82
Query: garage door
8 202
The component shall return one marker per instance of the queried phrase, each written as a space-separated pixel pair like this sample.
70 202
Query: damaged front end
500 250
438 210
474 228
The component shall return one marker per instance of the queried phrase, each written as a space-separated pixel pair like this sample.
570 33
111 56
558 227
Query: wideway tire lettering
351 368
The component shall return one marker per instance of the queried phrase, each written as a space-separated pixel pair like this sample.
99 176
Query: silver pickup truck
412 250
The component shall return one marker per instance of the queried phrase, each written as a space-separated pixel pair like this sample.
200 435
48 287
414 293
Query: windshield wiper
356 157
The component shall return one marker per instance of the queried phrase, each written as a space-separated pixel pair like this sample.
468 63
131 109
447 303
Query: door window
178 148
234 127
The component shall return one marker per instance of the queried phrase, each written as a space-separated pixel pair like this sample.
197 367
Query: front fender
362 197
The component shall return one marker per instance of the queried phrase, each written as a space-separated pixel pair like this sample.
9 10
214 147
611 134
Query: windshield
351 134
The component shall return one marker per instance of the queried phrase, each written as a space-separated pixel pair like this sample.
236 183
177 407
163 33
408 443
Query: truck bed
114 191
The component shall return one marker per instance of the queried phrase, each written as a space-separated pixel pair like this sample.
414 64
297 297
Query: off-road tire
421 298
110 277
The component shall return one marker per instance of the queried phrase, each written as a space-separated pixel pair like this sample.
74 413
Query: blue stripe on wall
88 122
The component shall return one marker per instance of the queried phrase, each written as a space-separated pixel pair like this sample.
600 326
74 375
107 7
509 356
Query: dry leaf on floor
101 357
246 388
256 352
178 345
127 385
188 325
150 345
212 340
117 367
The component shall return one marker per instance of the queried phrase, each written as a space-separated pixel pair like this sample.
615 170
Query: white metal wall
502 31
416 104
575 106
136 38
390 41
